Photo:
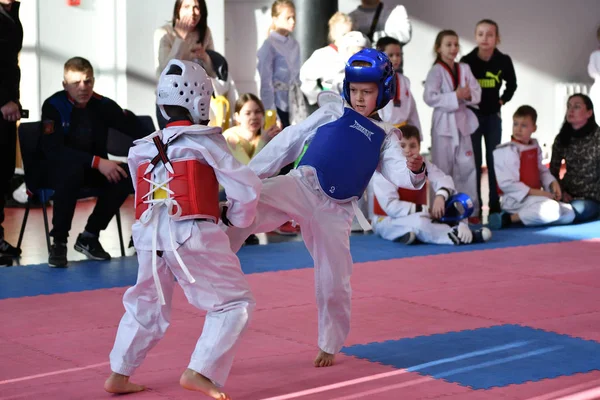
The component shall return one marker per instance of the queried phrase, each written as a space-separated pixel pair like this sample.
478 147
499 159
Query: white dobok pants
220 288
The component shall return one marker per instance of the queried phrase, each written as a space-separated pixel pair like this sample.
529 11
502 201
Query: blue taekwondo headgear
380 72
458 207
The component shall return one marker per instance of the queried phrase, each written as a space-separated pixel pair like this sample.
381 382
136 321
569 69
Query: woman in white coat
450 88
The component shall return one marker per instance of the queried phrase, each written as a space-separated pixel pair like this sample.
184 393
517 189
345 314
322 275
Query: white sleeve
287 146
392 165
309 74
433 96
399 24
545 175
506 164
387 196
594 65
241 185
266 57
438 179
472 83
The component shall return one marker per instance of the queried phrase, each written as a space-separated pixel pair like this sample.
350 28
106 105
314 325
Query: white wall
116 36
549 41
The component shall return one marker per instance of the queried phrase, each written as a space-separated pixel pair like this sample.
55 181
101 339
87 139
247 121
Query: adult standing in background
186 37
594 72
376 20
11 42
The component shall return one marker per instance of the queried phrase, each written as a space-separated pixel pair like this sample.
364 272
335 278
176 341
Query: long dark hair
202 25
567 131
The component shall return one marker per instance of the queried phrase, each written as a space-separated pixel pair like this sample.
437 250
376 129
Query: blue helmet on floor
380 72
458 207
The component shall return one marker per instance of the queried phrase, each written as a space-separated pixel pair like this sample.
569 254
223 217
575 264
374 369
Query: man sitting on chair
75 130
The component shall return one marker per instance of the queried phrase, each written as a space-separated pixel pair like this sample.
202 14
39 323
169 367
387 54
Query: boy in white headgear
180 168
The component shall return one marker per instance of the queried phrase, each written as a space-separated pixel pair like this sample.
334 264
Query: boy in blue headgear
345 147
398 214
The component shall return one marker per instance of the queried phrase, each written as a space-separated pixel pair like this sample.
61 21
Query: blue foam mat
487 357
34 280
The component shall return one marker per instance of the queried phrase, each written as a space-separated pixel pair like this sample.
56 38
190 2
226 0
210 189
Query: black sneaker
6 261
58 255
407 238
6 249
252 240
481 235
91 247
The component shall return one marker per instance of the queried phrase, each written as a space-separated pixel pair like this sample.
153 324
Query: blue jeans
490 128
585 209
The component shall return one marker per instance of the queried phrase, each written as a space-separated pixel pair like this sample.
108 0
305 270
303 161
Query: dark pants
585 209
284 117
8 146
162 122
69 181
490 128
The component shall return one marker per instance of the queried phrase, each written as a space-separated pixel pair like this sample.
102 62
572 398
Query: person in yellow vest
530 193
399 214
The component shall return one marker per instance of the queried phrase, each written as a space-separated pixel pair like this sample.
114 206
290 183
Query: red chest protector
195 188
193 184
419 197
529 170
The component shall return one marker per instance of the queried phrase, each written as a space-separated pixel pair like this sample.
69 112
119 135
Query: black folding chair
118 143
37 179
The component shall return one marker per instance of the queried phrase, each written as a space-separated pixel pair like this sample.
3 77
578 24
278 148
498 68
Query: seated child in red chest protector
398 214
530 193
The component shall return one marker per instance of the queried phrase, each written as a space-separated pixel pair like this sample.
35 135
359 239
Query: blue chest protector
345 154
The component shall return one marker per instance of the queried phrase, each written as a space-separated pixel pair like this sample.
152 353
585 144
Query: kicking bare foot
191 380
324 359
119 384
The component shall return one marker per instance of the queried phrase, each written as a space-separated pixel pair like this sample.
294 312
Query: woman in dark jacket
578 144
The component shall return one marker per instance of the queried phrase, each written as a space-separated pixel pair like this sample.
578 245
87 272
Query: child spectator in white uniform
402 109
450 88
399 215
177 172
324 69
530 193
345 148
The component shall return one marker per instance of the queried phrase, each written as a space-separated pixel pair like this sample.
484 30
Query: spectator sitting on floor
578 143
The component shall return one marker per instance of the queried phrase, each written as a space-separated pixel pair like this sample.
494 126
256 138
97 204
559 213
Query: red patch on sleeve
48 127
